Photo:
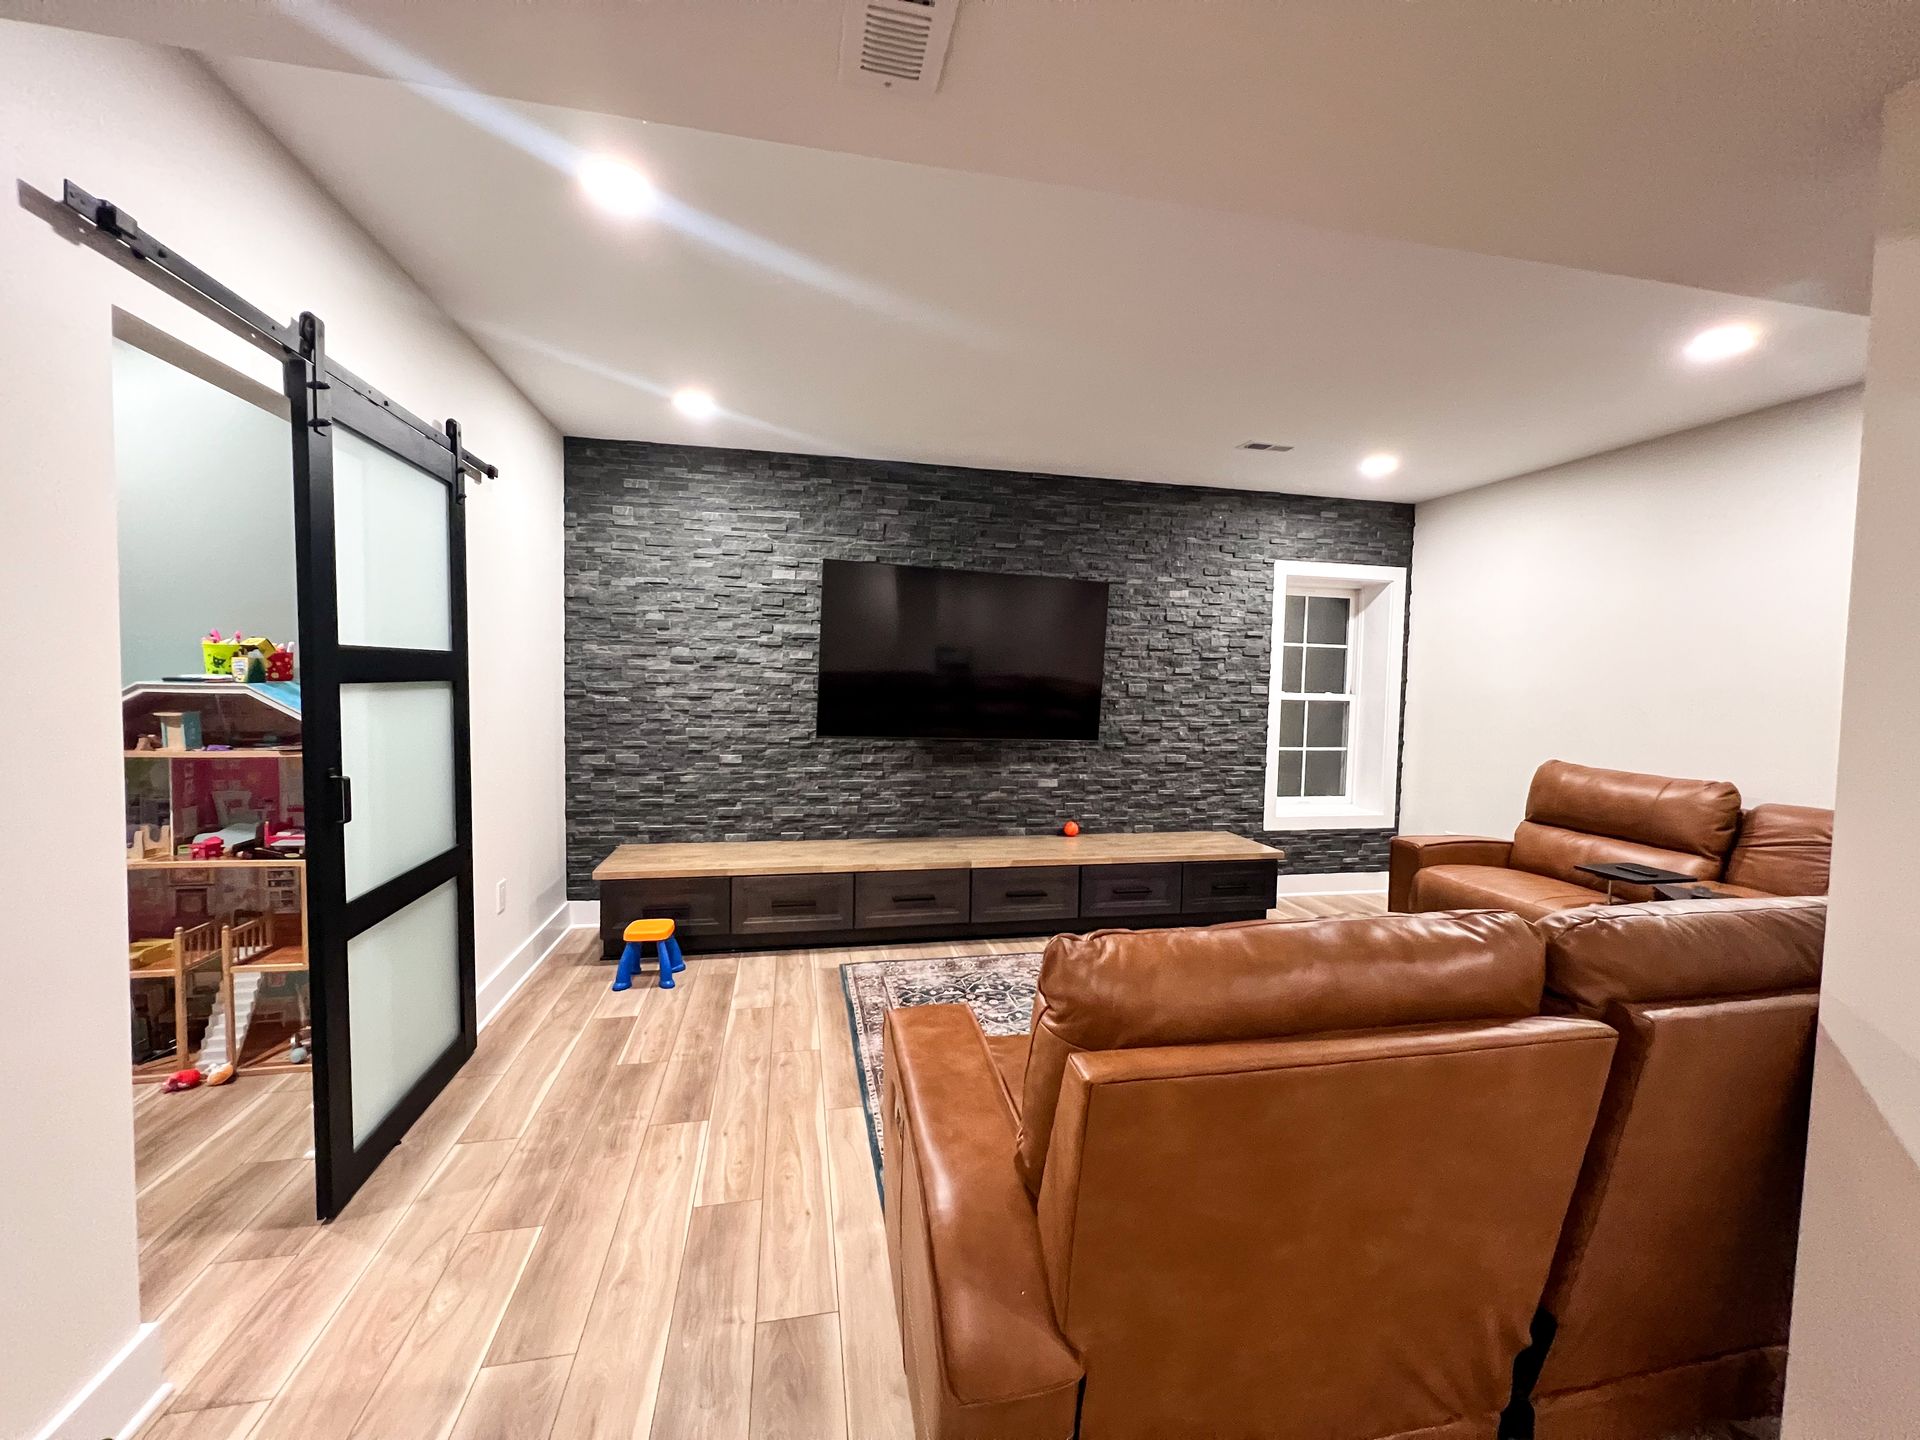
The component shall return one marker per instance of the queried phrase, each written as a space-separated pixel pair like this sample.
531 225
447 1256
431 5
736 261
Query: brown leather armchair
1270 1179
1576 815
1667 1307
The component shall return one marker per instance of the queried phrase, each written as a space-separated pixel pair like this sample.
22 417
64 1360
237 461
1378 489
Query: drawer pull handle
914 899
1132 892
1026 894
672 912
796 904
1229 887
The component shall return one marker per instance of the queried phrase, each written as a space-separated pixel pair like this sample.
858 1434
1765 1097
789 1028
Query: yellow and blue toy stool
665 947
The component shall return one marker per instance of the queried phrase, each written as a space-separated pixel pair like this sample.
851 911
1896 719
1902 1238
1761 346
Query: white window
1333 714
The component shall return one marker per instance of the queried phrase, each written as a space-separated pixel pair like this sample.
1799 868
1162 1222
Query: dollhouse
216 879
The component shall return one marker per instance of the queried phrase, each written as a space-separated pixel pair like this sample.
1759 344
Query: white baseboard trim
583 914
1350 884
121 1398
512 973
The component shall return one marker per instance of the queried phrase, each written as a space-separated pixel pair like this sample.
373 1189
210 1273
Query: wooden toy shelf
219 944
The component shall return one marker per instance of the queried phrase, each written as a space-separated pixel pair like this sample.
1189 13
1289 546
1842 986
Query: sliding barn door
381 558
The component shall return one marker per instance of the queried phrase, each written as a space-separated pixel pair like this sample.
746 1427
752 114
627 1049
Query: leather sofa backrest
1581 815
1679 1245
1261 980
1783 850
1317 1235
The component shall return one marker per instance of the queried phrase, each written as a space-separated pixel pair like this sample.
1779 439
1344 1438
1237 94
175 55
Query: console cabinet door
1026 892
775 904
1227 885
884 898
1129 890
699 905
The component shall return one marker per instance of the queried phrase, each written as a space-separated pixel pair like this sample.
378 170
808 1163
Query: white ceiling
1727 144
840 304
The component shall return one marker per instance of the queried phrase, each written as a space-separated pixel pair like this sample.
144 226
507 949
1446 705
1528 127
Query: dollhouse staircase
214 1047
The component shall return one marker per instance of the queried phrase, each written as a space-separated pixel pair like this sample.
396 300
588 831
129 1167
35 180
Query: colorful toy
211 848
280 664
1070 829
665 948
182 1080
220 1075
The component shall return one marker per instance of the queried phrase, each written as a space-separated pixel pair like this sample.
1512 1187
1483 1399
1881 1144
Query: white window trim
1378 633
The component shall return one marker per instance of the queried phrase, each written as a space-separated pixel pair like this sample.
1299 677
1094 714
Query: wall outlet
500 898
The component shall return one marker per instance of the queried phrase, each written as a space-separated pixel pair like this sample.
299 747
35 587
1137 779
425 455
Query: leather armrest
1410 854
984 1358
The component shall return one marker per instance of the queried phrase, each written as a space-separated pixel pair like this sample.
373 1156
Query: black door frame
320 406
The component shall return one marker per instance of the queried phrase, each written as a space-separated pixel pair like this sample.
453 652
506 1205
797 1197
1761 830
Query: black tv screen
909 650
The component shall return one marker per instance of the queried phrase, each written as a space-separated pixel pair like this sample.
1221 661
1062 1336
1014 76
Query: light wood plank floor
645 1214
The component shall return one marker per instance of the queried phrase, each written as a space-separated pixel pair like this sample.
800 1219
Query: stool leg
629 962
666 963
679 963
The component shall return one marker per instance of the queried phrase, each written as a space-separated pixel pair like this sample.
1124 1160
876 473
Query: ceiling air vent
1263 445
896 44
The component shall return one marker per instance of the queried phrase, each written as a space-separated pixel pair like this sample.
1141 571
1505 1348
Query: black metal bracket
282 341
313 349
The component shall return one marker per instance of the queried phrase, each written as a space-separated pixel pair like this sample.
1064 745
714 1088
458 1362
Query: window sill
1328 817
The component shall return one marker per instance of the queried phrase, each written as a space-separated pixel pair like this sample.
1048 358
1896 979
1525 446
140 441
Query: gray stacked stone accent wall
693 595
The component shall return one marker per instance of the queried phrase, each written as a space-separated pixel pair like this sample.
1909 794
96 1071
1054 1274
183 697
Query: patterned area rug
998 989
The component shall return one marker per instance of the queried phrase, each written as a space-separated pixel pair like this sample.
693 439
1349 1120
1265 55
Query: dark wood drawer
1027 892
1129 890
769 904
910 897
1227 885
699 905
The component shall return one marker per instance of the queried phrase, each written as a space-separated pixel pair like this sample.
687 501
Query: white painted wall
150 130
206 515
1677 607
1852 1369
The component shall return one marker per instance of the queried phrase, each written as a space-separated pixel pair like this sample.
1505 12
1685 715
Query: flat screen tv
913 651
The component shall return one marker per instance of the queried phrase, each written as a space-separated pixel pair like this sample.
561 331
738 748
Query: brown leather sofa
1271 1179
1667 1307
1576 815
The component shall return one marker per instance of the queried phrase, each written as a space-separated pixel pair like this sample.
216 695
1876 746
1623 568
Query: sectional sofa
1426 1177
1580 815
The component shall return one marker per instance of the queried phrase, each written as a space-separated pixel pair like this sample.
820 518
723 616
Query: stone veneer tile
692 616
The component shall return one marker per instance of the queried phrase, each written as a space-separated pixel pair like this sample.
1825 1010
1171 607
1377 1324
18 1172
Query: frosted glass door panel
390 548
396 747
403 1002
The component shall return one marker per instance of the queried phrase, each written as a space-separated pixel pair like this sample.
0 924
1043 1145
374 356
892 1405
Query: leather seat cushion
1492 887
1010 1059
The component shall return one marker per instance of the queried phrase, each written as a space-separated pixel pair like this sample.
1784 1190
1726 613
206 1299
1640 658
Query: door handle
340 797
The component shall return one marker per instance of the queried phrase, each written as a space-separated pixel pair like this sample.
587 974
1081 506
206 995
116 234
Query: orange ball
1072 827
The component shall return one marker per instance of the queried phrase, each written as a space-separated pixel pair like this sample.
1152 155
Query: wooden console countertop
981 852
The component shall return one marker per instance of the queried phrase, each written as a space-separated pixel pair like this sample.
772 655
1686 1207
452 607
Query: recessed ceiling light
1722 342
1379 465
695 403
615 186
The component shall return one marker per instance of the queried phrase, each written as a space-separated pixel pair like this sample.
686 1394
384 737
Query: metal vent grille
1264 445
896 44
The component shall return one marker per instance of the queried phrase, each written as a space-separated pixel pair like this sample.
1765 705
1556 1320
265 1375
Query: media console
771 893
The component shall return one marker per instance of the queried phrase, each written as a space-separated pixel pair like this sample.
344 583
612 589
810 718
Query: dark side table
1625 873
